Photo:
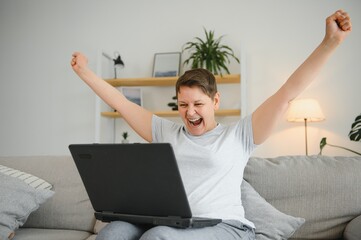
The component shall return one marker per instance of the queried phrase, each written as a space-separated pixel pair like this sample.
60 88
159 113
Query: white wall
44 106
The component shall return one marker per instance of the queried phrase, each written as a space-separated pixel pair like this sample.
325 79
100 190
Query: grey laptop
138 183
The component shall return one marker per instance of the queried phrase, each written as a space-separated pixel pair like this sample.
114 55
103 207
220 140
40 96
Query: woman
211 156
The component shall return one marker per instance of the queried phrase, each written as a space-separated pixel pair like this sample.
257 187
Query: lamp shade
305 109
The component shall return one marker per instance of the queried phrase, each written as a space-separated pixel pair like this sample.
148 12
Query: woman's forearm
306 73
104 90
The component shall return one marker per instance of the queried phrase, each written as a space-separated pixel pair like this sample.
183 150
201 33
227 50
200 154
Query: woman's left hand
338 26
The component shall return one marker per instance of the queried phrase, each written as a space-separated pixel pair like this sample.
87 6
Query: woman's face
197 110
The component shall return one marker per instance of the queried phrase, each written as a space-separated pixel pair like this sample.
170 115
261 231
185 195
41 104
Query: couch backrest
70 207
326 191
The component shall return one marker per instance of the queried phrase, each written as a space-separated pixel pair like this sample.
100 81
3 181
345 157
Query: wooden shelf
165 81
170 81
224 112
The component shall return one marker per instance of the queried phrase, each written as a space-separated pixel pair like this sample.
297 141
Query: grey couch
325 191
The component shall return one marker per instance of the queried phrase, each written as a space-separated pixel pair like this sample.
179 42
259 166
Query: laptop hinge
107 212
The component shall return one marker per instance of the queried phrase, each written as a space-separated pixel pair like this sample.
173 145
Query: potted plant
173 105
355 135
323 143
209 54
125 137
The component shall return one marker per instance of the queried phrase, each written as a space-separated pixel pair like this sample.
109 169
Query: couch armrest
353 229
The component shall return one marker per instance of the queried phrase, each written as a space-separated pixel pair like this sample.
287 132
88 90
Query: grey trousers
227 230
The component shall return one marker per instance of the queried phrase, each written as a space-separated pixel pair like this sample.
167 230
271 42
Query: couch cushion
70 207
323 190
47 234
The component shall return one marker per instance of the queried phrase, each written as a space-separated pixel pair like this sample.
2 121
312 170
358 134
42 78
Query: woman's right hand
78 62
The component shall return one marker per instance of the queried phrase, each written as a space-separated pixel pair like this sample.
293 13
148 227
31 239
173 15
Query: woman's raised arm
338 26
137 117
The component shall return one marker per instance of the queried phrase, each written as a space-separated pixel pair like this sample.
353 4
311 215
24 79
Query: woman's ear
216 101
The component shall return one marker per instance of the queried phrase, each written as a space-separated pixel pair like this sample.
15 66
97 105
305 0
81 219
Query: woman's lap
227 230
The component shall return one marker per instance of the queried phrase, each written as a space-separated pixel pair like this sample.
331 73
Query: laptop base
170 221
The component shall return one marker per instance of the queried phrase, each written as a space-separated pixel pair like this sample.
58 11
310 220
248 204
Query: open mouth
196 121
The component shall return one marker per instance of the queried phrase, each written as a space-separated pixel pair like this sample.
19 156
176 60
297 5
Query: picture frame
166 64
133 94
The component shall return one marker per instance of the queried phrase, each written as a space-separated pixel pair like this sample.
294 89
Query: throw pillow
17 201
353 229
270 223
29 179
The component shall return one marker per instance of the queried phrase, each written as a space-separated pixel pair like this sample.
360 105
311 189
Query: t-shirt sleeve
163 129
245 132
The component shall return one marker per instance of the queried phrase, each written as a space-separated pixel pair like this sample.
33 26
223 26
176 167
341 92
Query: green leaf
355 132
323 143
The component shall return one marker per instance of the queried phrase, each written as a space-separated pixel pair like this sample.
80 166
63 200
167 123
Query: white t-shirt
211 165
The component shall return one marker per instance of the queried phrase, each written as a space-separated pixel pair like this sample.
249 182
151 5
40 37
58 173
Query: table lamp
118 62
305 110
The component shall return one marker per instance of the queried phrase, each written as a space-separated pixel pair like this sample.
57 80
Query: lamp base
305 119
